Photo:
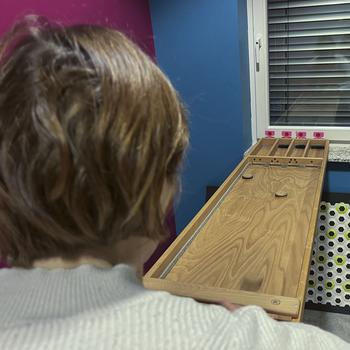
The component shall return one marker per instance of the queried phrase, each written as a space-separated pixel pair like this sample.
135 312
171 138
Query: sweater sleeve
251 328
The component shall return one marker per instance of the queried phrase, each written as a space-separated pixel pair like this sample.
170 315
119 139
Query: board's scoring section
290 148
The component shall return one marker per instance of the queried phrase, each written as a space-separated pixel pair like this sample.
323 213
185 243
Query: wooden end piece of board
277 305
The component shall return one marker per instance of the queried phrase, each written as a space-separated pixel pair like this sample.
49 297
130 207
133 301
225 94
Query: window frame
259 83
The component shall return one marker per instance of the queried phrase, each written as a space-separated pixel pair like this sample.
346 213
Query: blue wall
202 46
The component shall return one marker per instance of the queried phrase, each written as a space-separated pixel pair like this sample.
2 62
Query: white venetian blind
309 62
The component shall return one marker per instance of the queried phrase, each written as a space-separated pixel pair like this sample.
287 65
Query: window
300 67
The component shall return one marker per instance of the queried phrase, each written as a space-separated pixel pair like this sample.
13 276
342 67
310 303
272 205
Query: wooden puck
281 194
247 176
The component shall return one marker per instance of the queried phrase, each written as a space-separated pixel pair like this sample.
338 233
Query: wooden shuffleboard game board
252 241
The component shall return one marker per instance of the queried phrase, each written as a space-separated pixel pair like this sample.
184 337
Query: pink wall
130 16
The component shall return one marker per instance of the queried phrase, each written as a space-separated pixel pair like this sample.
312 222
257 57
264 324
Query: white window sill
339 152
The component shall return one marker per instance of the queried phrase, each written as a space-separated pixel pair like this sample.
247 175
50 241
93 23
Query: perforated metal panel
329 279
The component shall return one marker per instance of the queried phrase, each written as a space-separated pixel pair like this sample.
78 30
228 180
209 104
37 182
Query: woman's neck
54 263
133 251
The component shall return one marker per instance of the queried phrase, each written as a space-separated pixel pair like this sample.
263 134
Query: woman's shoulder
214 327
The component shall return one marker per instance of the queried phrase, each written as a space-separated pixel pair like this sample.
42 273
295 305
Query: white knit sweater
90 308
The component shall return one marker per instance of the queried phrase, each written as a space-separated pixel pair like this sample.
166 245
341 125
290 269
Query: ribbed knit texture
90 308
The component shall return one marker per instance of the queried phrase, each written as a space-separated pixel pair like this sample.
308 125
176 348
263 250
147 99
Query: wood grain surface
249 245
317 153
254 241
180 242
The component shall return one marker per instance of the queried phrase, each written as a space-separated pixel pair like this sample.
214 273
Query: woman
91 138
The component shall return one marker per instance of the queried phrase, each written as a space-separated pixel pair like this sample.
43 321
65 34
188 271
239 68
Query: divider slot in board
316 149
298 148
281 148
307 147
264 147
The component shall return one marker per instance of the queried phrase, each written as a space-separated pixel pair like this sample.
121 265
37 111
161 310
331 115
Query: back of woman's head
91 132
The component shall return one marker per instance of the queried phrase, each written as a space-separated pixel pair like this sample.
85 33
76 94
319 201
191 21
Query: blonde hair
90 131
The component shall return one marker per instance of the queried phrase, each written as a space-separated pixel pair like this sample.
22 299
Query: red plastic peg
318 135
300 134
270 133
286 134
